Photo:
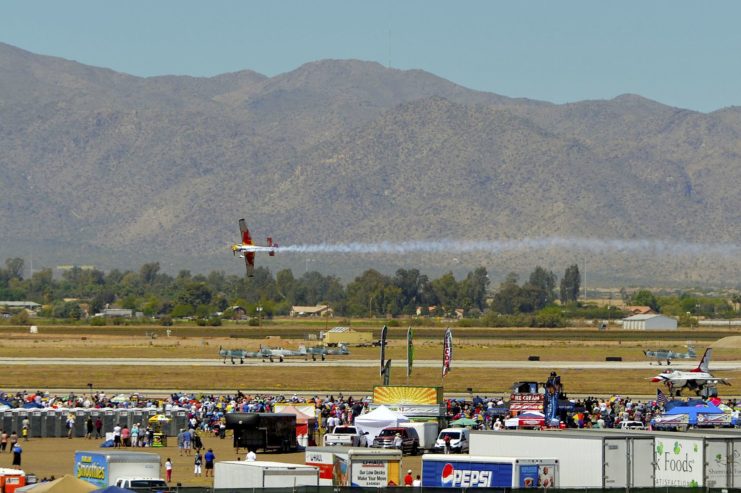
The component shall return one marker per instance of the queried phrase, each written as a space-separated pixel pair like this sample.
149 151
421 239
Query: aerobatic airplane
281 353
241 354
696 380
323 351
247 248
668 355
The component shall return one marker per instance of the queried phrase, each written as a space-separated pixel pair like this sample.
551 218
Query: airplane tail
302 349
691 351
704 365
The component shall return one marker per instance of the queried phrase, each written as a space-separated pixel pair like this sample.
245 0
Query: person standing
251 456
117 436
417 482
70 425
197 464
98 427
89 427
408 479
168 470
17 451
3 441
26 424
209 458
13 439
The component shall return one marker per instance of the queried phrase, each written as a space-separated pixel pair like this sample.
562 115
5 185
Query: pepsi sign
466 474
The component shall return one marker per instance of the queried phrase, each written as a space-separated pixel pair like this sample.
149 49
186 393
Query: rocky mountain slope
107 168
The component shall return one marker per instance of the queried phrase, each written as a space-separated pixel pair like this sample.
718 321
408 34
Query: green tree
570 283
194 294
644 297
148 273
540 288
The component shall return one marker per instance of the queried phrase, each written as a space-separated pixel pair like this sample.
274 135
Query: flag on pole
661 397
410 351
447 351
384 334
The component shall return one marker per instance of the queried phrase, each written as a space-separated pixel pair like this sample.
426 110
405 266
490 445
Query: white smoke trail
652 247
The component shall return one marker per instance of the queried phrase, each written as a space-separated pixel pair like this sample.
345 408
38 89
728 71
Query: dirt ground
47 457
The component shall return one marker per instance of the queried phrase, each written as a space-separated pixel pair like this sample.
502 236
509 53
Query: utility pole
585 278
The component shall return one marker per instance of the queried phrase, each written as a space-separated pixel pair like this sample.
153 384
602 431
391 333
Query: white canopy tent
378 419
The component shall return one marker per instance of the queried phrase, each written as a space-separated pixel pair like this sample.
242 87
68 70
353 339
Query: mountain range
105 168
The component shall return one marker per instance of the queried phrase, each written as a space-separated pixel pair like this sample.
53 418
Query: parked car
388 437
632 425
459 440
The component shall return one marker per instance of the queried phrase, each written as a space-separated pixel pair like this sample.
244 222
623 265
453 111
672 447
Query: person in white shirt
417 481
251 456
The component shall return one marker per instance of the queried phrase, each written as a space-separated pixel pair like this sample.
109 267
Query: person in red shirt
408 479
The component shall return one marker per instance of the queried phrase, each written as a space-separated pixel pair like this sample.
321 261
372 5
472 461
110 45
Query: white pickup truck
143 484
346 435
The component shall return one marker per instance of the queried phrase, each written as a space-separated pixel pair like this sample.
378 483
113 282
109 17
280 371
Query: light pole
259 315
370 313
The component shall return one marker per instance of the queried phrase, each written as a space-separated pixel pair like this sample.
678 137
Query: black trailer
265 431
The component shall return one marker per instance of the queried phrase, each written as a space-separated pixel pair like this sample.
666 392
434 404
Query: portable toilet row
48 422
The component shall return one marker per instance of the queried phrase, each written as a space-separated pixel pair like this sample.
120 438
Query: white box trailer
697 457
586 459
426 431
262 474
103 468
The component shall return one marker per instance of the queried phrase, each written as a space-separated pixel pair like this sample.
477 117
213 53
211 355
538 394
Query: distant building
238 313
639 310
116 312
28 305
649 322
346 335
311 311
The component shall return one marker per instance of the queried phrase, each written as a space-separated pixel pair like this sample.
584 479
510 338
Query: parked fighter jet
324 351
696 380
247 248
281 353
241 354
668 355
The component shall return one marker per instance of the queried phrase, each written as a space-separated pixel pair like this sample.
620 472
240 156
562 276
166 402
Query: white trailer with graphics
586 459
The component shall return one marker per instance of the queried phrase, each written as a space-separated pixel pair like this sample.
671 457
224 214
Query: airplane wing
249 262
246 238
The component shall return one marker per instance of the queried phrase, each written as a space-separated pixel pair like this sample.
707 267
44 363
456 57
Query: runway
362 363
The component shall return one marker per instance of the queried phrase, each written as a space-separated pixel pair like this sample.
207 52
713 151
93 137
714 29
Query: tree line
371 294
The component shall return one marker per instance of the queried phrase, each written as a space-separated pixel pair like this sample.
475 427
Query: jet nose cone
656 379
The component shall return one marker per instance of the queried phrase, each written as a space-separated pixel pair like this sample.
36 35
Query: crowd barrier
51 423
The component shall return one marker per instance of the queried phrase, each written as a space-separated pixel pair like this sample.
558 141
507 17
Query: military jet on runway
281 353
325 351
668 355
247 248
241 354
697 380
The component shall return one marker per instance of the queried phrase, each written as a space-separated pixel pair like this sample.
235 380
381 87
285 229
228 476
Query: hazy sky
682 53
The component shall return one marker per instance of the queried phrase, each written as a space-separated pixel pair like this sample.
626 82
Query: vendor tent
65 484
378 419
305 425
530 419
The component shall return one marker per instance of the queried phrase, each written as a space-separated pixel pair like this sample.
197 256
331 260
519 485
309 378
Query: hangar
649 322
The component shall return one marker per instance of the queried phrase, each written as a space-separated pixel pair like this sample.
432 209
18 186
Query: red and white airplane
247 248
696 380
